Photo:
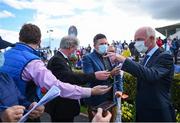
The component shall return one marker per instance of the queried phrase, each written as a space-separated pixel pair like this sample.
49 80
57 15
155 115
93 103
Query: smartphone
106 106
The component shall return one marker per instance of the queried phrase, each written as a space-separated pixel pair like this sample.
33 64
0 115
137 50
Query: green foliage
175 91
128 112
83 109
130 87
178 117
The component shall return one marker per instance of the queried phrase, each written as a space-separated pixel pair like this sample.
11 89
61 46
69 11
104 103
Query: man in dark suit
94 62
154 78
63 109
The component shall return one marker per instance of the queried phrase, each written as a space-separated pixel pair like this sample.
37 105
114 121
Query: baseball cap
4 44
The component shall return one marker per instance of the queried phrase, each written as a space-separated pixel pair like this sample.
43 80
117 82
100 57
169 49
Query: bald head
146 34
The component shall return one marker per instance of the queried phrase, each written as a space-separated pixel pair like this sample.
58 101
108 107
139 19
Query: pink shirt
36 71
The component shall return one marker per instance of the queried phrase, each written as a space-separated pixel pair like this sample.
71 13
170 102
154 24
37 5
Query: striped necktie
145 59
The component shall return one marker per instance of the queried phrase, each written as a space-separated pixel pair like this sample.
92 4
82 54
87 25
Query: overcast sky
117 19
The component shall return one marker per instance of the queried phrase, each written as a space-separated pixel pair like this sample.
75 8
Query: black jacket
63 107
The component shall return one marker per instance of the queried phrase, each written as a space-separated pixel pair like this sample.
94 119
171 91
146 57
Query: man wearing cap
12 103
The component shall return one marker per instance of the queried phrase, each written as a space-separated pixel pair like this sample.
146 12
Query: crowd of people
23 73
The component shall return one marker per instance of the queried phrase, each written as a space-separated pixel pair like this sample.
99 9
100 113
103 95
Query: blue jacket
16 60
91 64
9 94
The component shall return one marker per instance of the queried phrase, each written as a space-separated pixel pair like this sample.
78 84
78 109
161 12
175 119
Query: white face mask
139 45
1 59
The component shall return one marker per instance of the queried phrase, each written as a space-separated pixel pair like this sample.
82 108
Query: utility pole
49 31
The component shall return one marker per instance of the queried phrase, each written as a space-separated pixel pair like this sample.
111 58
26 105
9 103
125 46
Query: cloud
6 14
163 9
18 4
157 9
99 17
117 19
11 36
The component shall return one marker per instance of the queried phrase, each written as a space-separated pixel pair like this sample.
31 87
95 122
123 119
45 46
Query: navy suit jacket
153 86
91 64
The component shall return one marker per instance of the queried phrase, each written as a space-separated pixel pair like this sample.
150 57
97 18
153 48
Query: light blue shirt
150 53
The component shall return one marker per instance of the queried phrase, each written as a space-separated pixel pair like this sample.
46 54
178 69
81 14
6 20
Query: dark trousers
60 119
156 115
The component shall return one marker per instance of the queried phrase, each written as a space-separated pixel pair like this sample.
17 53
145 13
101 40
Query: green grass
83 109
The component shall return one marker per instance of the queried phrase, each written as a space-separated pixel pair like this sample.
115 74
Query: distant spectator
159 42
55 50
131 47
89 48
124 43
165 43
175 48
126 52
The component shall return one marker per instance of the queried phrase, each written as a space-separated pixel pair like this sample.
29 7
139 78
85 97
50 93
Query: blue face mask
1 59
102 49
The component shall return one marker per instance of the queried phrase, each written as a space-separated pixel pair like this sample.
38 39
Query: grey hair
150 32
69 42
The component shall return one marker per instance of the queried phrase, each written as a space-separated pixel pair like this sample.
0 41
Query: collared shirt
150 53
67 59
105 61
63 54
36 71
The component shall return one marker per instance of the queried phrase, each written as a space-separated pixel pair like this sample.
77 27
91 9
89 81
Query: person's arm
12 114
89 68
63 72
159 70
43 77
